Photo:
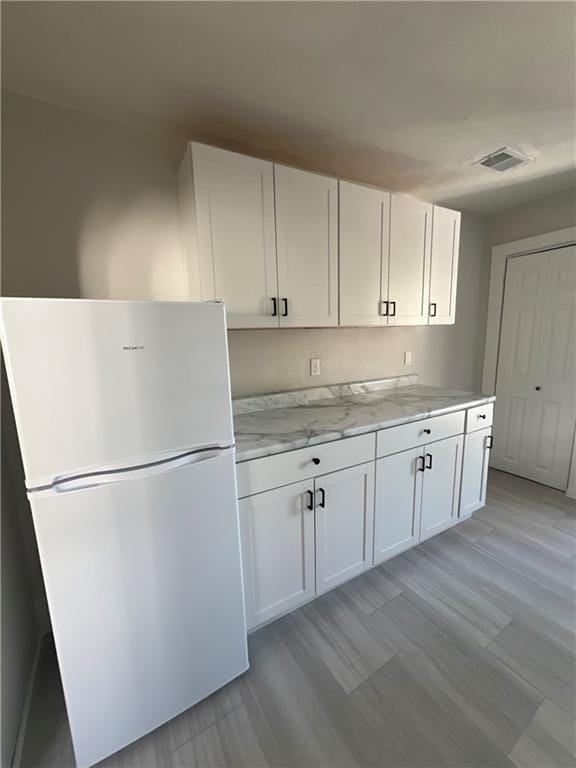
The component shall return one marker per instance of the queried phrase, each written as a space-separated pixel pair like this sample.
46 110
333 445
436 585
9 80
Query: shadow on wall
90 206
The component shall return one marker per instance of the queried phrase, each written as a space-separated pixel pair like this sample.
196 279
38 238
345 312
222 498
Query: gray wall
547 214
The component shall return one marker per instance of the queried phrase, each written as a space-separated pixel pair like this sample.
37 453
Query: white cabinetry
364 221
397 508
307 247
475 471
344 525
228 233
440 485
277 533
444 266
409 261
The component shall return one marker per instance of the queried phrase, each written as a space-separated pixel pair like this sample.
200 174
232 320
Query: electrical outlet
315 366
408 357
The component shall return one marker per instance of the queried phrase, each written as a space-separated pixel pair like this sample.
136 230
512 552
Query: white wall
547 214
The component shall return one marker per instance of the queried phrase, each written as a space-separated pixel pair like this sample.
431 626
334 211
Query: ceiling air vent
504 159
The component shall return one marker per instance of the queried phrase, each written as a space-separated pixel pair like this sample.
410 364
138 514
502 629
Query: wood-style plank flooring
458 653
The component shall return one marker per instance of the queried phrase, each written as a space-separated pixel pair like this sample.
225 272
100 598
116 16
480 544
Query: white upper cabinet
409 261
307 248
364 221
444 266
227 211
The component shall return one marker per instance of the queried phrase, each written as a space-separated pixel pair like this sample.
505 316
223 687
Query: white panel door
364 239
444 266
344 525
116 382
535 410
277 530
475 471
144 585
397 509
236 234
307 246
441 485
409 261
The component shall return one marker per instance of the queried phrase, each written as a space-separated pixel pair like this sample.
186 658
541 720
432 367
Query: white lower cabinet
397 508
307 537
277 533
344 525
441 485
475 471
417 495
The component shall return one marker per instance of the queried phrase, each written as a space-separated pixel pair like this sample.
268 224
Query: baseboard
19 746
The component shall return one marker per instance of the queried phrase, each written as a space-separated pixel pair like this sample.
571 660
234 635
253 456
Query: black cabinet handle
274 306
429 456
432 304
489 441
285 302
537 389
427 431
481 415
392 309
316 461
323 497
384 308
421 465
310 504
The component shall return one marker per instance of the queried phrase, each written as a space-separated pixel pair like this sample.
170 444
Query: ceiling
402 95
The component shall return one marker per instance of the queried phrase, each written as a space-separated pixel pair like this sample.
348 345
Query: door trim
499 258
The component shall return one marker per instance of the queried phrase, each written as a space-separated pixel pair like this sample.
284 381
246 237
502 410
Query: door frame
499 259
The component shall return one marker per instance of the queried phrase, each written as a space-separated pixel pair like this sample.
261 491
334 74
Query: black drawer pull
427 431
421 466
429 456
481 415
274 307
432 304
384 308
323 496
316 461
392 309
310 504
489 441
285 302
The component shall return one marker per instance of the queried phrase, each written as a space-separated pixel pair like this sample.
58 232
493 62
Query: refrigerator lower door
144 586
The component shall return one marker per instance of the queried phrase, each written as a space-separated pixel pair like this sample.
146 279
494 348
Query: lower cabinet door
475 471
441 485
277 530
344 525
397 508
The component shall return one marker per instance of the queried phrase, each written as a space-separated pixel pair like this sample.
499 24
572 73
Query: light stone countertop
293 420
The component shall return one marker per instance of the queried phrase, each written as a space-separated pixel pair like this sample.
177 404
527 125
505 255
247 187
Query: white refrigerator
124 419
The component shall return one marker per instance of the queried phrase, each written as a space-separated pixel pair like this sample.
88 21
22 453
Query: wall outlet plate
315 366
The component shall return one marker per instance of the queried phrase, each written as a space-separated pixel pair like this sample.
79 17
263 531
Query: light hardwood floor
457 653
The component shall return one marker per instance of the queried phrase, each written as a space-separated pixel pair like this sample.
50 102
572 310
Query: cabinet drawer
479 417
273 471
417 433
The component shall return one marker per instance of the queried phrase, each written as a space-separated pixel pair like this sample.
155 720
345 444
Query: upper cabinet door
364 222
409 261
444 267
234 197
306 237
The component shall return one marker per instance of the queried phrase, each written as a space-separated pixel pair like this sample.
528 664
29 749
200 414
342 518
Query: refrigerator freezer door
144 585
97 384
